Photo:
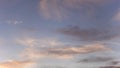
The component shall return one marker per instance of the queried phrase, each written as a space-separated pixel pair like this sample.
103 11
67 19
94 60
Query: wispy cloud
26 41
117 16
61 9
110 66
43 42
37 52
14 22
96 59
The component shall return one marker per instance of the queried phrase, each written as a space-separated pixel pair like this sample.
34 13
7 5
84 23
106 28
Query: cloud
110 67
96 59
53 48
34 48
44 42
14 22
63 52
16 64
117 16
52 66
78 50
91 17
112 64
26 41
61 9
88 34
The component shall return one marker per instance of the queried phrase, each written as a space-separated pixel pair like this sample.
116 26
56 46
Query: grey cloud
96 59
52 66
88 34
112 64
111 67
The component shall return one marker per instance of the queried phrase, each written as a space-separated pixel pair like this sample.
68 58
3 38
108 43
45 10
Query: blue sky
59 33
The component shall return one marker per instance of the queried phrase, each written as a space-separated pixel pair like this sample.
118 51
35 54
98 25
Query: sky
59 33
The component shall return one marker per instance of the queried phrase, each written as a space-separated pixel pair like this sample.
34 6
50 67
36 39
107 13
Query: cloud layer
36 49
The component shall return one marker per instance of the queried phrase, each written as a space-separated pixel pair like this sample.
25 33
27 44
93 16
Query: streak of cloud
88 34
117 16
44 42
63 52
78 50
96 59
111 67
112 64
63 8
14 22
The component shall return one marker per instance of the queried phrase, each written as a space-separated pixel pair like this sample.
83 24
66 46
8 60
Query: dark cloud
52 66
88 34
111 67
112 64
95 59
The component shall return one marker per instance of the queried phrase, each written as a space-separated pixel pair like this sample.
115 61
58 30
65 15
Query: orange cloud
43 48
16 64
